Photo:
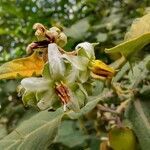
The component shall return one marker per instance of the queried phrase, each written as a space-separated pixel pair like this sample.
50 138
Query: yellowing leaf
23 67
122 139
137 37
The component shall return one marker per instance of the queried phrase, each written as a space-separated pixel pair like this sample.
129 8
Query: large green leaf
137 37
3 131
138 73
69 135
139 27
138 114
37 133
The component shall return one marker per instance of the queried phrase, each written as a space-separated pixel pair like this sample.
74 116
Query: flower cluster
65 75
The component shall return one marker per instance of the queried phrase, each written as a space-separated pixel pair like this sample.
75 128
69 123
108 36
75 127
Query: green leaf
148 65
137 37
139 27
145 91
78 30
92 102
29 99
36 133
130 47
3 31
87 108
102 37
121 72
138 114
3 131
139 72
69 135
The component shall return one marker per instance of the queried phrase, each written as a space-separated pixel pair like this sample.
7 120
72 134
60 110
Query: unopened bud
101 70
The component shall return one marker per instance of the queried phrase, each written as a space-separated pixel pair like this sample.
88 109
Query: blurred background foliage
103 21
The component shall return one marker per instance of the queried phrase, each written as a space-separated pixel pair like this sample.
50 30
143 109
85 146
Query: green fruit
122 139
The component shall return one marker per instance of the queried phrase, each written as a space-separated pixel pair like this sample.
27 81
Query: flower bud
100 70
86 49
59 37
40 30
62 39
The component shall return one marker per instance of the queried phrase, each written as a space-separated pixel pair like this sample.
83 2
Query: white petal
73 75
56 64
35 84
88 48
77 61
47 101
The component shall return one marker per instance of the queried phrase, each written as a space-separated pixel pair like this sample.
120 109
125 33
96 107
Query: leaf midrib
31 133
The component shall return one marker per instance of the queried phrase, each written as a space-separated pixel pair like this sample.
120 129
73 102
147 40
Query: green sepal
29 99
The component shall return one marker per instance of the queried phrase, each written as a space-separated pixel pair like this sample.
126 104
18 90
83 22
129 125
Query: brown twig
106 109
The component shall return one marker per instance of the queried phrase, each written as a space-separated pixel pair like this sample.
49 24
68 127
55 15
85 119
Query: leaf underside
129 47
135 39
37 134
138 114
